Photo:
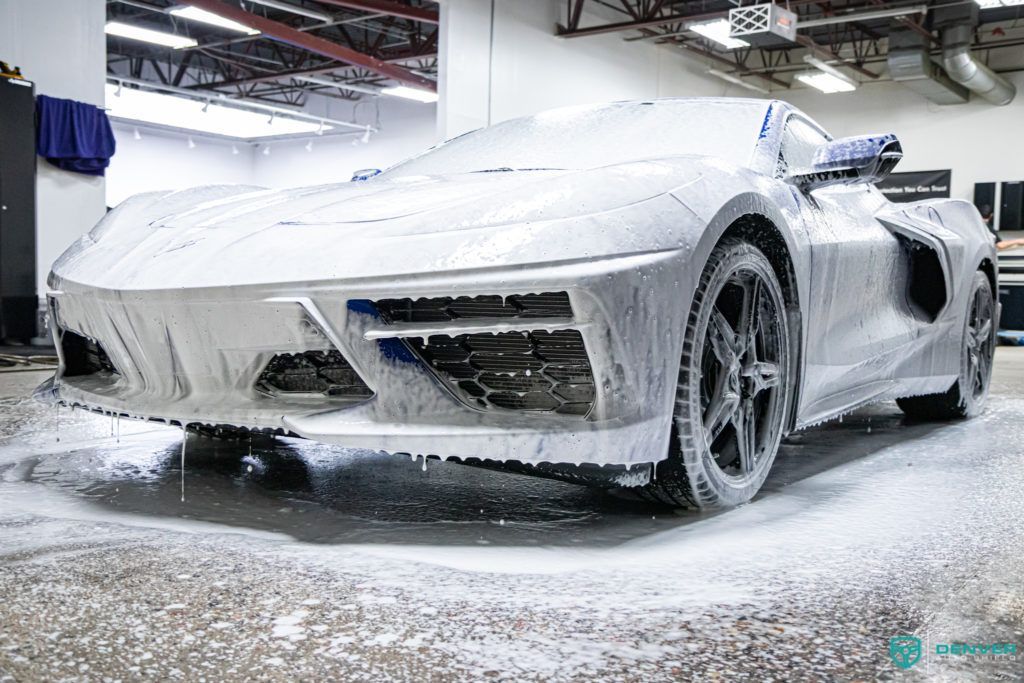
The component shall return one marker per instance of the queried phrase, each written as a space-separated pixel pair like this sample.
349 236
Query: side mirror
851 161
365 174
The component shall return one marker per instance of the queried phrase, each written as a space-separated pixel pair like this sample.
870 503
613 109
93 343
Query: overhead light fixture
122 30
180 112
989 4
718 31
354 87
826 83
410 93
294 9
202 16
836 80
736 80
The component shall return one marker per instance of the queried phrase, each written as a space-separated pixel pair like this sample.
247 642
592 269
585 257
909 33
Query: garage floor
302 561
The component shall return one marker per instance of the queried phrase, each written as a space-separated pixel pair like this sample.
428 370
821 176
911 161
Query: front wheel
734 390
967 396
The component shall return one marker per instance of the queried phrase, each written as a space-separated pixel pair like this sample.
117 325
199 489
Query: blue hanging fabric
73 136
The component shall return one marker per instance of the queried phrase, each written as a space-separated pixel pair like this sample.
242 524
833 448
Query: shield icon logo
905 651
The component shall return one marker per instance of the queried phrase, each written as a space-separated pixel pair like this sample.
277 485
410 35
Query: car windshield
595 136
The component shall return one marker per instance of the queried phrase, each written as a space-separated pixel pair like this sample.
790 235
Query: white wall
978 141
515 65
161 160
405 128
59 44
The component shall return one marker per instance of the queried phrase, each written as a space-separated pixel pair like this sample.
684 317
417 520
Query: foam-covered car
644 294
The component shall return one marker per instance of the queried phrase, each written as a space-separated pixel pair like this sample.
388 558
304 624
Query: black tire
220 432
967 396
734 379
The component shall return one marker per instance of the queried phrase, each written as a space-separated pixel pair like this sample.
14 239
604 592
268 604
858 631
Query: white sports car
642 294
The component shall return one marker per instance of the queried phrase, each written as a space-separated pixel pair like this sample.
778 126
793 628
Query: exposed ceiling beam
826 54
395 9
626 25
739 68
650 22
312 71
286 34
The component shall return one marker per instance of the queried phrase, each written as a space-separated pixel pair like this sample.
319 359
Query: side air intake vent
532 370
84 356
442 309
312 374
539 371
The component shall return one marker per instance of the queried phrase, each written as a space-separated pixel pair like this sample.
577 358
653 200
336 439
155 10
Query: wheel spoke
722 337
744 422
762 375
983 333
749 315
721 409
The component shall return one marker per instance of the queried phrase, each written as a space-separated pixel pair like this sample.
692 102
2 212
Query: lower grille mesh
325 373
532 371
83 356
444 308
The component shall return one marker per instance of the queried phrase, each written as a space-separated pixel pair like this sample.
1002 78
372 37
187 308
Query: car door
855 314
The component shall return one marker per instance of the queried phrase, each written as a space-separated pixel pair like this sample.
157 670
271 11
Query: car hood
222 235
468 200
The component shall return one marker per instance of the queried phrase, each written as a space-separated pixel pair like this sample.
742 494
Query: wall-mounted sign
916 185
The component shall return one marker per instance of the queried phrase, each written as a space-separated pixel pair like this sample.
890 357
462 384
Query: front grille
312 373
84 356
442 309
532 371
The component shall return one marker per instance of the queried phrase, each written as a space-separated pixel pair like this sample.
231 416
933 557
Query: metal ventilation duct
966 70
911 65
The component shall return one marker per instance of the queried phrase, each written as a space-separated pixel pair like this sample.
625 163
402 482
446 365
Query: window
800 142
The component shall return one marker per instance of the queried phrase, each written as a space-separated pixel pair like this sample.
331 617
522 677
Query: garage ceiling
852 35
336 48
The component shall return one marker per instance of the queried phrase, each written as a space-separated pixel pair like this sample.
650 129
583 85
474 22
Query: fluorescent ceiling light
195 14
410 93
116 28
837 81
181 112
989 4
354 87
825 82
736 80
718 31
294 9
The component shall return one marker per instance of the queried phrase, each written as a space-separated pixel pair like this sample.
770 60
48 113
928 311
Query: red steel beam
395 9
286 34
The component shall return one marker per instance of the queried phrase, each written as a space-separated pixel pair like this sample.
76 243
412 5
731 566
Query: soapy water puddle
330 495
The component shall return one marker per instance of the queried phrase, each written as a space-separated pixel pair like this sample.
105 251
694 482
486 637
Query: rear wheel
967 396
733 394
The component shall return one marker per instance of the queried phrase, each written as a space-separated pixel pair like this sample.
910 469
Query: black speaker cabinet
18 298
1012 206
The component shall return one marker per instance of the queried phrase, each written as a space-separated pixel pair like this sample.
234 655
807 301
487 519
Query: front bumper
193 356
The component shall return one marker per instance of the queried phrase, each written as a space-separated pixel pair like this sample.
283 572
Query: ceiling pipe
963 68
